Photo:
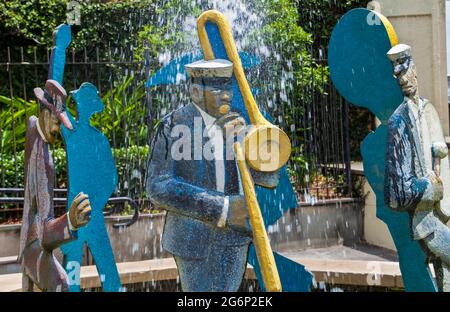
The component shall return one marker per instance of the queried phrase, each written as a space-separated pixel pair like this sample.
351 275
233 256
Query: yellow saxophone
263 139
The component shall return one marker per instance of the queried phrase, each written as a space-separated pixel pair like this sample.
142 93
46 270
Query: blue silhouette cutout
91 169
174 72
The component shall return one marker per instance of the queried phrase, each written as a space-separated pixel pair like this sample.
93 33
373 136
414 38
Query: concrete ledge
130 273
340 272
9 265
355 272
8 260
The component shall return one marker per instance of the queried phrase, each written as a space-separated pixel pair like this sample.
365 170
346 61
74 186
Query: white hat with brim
210 69
400 51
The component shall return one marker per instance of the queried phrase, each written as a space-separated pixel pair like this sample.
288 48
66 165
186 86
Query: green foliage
13 120
151 38
122 121
294 75
30 20
131 164
126 24
318 17
12 174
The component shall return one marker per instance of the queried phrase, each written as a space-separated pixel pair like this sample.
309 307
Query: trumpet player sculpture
194 174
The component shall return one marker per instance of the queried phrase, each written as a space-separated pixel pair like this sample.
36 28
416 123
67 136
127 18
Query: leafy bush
123 120
130 164
291 76
33 21
13 119
318 17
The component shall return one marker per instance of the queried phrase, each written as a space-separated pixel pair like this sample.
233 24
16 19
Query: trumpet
263 139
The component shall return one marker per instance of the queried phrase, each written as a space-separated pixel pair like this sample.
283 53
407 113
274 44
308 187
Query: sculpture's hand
438 187
233 126
80 210
238 213
442 212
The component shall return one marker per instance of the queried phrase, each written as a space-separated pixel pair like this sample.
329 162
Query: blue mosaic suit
209 258
408 188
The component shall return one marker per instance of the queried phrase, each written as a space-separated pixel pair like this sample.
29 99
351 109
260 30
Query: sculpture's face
50 124
214 96
406 74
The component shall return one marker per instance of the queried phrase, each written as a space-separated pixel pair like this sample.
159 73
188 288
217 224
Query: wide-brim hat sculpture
54 97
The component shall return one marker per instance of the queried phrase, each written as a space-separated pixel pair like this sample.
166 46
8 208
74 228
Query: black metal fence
131 111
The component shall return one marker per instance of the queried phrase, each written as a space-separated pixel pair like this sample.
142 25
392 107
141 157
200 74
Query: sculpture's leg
27 283
101 250
231 266
442 275
445 277
194 274
52 276
437 244
415 272
72 262
412 258
221 271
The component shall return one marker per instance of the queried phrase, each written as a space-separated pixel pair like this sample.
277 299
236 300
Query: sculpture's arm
171 193
53 232
403 190
437 136
56 232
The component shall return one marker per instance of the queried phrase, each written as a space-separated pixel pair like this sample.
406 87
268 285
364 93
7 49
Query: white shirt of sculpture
216 138
430 131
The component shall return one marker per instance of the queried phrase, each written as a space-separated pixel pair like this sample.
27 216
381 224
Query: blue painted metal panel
91 170
62 38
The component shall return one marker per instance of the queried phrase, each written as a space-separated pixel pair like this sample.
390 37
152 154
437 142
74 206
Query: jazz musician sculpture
41 232
417 168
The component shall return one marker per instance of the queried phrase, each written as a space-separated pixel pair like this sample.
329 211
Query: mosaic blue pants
221 271
438 244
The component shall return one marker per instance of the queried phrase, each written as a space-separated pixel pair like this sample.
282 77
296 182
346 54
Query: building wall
422 25
375 231
448 34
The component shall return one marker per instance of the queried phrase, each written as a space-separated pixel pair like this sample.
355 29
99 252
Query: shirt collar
207 118
40 131
416 109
